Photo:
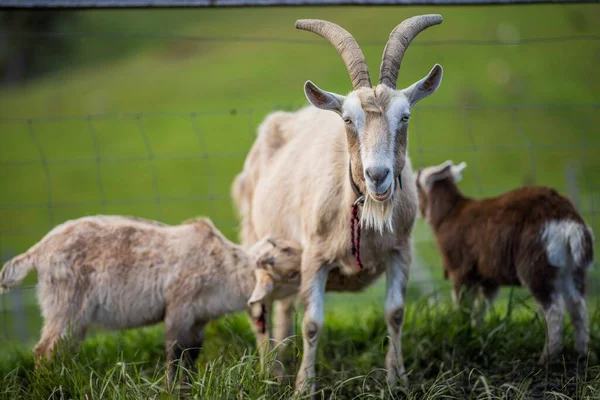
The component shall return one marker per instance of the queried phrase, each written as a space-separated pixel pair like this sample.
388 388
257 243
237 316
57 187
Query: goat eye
405 118
292 275
347 120
287 250
268 261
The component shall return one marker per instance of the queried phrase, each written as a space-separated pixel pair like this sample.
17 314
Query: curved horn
345 45
398 42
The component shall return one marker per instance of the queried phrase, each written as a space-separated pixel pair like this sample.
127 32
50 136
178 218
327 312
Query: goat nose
377 174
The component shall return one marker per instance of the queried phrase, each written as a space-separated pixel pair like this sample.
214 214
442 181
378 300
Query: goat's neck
240 279
444 199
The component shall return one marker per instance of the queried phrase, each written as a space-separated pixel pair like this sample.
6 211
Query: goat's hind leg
51 334
55 333
63 322
554 314
574 289
544 282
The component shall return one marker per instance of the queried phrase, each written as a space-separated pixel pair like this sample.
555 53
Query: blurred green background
151 112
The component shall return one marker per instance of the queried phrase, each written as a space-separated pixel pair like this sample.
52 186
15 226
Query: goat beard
378 215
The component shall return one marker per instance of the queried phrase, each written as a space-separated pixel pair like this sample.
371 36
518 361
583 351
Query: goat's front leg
314 280
396 280
486 294
183 338
261 326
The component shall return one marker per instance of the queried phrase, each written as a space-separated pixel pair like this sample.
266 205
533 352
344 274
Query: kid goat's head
444 177
376 118
278 269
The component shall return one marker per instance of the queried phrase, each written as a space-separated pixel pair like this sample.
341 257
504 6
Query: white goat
307 169
122 272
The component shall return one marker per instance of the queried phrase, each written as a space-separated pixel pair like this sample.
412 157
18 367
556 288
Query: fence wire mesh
59 153
210 197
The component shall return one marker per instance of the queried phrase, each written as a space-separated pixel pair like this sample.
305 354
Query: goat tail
15 271
581 245
568 244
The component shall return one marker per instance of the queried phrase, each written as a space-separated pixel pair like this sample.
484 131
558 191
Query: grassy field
154 111
445 357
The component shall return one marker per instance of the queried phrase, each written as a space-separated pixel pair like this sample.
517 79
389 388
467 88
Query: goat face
376 118
376 121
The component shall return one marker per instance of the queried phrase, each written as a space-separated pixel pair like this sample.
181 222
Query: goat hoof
545 359
304 388
399 379
278 372
477 323
589 356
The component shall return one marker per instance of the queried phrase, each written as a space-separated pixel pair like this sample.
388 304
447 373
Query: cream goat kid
296 184
123 272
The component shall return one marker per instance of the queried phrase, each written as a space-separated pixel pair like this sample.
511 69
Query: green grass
445 357
158 127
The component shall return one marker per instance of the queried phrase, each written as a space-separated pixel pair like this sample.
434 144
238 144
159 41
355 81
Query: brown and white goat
122 272
531 236
307 169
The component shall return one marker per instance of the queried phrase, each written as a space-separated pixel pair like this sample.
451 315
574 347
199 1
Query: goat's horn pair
354 58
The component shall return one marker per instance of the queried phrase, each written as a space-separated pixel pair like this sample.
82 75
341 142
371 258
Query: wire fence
150 156
175 165
20 315
293 41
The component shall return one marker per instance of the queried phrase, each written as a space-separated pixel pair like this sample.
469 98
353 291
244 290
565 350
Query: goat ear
322 99
426 86
457 171
439 173
262 288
